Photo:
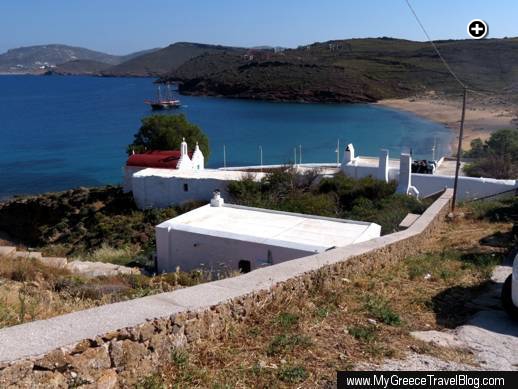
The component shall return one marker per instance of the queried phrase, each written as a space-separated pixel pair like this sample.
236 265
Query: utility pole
300 154
295 156
261 156
224 156
459 150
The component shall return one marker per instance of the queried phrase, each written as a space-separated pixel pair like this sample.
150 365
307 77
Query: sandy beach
481 119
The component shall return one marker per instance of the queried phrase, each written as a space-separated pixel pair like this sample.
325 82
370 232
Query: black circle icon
477 29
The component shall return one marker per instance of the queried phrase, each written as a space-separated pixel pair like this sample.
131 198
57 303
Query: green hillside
168 59
80 67
355 70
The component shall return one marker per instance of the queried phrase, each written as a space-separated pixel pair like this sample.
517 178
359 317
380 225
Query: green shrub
496 210
292 374
286 320
109 254
179 357
380 309
365 199
363 333
153 381
497 157
308 203
284 342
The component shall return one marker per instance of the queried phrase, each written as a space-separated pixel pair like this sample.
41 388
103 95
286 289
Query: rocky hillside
355 70
79 67
168 59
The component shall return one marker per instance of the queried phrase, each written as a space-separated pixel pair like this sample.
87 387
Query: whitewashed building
420 184
161 188
159 179
220 237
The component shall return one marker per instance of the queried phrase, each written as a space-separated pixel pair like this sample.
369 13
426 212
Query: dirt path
490 335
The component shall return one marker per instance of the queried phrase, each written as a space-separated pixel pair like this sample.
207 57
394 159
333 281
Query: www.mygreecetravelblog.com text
427 379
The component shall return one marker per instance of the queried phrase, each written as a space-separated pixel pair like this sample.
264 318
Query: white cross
477 28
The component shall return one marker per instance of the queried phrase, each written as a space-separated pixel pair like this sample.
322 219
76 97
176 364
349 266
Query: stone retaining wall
115 345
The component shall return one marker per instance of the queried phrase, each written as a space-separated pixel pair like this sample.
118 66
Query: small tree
160 132
497 157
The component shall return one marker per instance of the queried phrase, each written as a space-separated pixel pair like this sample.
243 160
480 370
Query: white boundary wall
469 187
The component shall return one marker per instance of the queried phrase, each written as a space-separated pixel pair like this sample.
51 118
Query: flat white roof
304 232
373 162
200 174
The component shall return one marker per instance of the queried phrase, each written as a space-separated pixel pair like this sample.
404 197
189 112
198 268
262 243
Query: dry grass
28 292
31 291
302 340
294 340
106 253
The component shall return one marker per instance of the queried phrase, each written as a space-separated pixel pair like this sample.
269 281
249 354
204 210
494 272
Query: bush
363 333
282 343
119 256
497 157
366 199
293 374
381 310
179 357
286 320
308 203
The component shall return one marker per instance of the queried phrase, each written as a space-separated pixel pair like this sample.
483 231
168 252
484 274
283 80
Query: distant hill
127 57
39 59
353 70
62 59
35 57
162 61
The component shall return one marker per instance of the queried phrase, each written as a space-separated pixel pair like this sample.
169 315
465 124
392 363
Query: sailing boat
161 102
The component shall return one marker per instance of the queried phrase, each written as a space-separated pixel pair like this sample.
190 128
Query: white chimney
349 153
217 200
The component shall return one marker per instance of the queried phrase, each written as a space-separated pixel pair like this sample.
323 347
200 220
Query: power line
435 46
463 114
432 43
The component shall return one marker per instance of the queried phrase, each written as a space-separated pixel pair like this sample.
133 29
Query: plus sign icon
477 29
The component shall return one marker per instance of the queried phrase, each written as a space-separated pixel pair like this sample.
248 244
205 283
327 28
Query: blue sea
58 132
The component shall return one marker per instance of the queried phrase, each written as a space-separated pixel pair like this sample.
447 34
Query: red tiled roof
167 159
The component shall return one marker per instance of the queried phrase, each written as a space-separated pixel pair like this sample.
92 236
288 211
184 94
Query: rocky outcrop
98 269
84 268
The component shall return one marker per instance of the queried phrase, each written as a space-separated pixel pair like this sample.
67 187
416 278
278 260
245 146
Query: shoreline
480 122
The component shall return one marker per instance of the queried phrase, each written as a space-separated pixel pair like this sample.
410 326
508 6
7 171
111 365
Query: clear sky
123 26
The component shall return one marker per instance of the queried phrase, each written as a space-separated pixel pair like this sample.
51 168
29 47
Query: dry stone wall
89 349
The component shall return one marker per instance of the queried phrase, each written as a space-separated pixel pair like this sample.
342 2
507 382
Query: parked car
510 292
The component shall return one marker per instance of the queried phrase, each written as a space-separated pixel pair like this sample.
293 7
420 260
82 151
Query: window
244 266
186 187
